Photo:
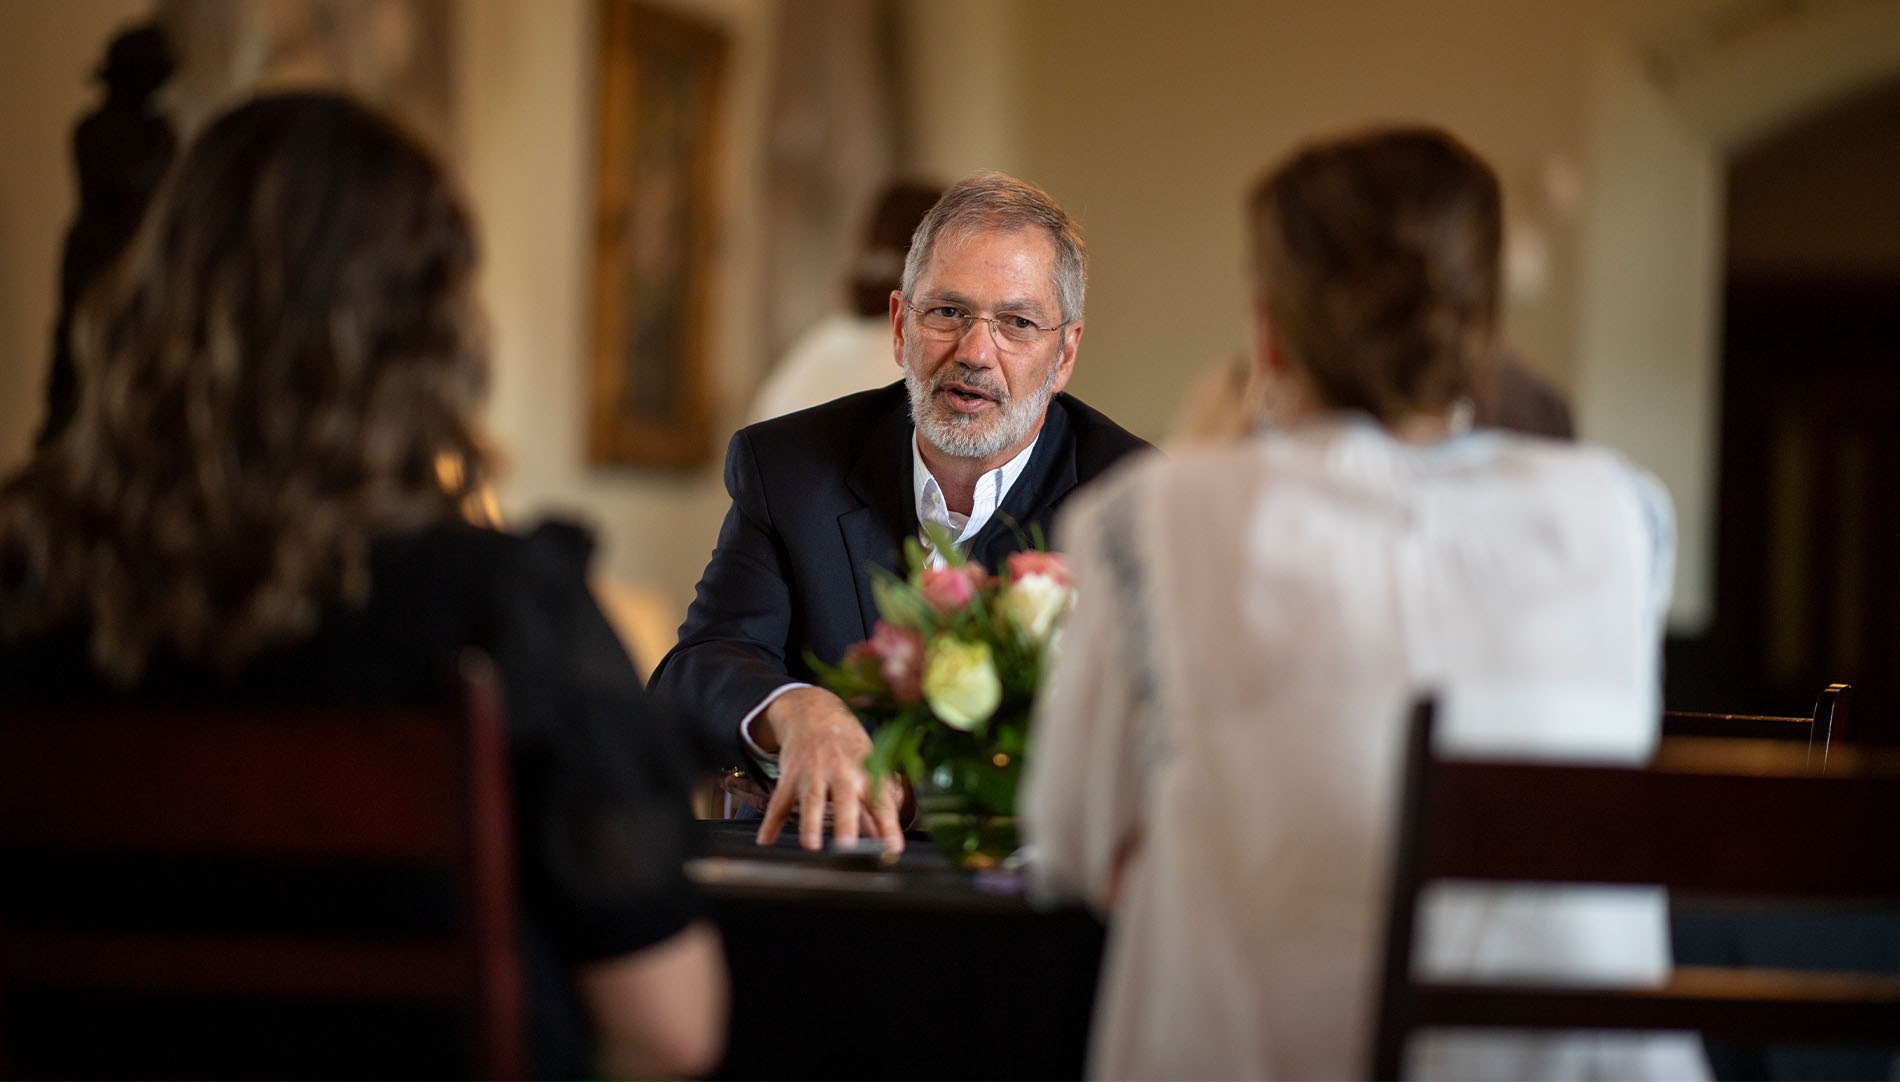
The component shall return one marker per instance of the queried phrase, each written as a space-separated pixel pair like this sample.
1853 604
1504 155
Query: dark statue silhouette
121 151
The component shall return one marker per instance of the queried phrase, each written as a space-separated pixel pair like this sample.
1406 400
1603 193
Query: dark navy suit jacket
819 497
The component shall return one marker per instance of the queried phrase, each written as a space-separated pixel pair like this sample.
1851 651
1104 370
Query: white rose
1034 603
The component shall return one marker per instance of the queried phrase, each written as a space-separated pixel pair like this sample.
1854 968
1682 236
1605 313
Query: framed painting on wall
661 104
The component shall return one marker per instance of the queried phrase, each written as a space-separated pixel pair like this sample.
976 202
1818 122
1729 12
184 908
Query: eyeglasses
1012 333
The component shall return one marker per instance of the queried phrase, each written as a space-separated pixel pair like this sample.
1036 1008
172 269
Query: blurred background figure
120 153
260 497
851 351
1223 404
1513 395
394 55
1216 749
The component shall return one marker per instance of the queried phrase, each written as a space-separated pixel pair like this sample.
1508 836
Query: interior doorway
1808 527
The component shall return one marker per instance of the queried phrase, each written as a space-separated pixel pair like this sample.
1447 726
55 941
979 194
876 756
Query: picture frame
662 91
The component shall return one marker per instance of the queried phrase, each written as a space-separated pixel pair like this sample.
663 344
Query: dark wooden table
843 967
846 967
1843 938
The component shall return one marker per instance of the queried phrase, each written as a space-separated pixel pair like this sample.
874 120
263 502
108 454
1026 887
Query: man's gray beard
958 434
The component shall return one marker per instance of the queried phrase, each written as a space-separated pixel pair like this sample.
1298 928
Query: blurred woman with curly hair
260 499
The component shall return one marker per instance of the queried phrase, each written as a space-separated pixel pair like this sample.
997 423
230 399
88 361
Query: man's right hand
821 751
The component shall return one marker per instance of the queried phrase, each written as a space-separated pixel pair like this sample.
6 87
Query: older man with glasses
978 439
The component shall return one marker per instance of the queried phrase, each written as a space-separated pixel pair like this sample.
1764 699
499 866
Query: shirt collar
990 490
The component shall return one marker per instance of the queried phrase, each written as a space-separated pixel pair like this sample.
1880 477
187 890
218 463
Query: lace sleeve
601 775
1083 793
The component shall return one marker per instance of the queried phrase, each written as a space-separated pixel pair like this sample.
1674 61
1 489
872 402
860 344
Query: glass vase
969 808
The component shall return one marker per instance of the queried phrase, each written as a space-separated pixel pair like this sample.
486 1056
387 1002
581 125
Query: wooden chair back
268 811
1820 733
1736 818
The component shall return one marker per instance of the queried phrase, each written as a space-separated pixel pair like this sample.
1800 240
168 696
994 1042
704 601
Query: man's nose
978 342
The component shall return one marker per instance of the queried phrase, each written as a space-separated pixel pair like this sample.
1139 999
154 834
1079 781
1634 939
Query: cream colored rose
1035 603
960 682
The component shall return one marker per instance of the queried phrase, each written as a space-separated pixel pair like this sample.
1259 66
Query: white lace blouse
1251 626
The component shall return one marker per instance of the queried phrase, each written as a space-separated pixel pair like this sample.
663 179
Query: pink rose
900 656
861 660
1053 564
947 589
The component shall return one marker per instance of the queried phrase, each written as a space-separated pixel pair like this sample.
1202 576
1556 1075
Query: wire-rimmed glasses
1012 332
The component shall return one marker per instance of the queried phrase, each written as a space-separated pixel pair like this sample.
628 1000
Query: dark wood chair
1736 817
227 880
1827 729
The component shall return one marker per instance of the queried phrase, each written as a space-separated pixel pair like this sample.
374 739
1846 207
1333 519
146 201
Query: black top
603 821
819 497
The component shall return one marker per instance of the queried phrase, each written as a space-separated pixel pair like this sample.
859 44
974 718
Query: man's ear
1065 357
897 327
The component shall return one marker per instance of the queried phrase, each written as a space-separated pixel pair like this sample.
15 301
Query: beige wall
527 113
1646 378
1668 105
1607 122
1151 121
965 77
47 50
1148 121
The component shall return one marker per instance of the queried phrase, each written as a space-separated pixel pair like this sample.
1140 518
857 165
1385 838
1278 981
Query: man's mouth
965 398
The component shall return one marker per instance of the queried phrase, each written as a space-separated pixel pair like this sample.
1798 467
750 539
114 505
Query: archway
1667 112
1808 588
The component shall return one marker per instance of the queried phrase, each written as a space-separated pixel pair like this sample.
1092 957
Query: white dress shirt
932 509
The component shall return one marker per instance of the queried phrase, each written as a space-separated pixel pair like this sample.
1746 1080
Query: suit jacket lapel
874 533
1050 475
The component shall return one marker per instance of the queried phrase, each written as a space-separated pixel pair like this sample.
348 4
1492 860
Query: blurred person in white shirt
851 351
1216 751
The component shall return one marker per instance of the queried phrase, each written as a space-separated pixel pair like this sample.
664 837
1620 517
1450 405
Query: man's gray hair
997 201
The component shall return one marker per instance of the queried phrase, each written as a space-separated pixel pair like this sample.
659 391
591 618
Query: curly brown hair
288 359
1378 255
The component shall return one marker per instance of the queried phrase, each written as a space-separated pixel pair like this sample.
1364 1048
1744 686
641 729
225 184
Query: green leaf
825 673
860 690
898 602
885 742
1012 740
909 755
914 558
945 543
1015 528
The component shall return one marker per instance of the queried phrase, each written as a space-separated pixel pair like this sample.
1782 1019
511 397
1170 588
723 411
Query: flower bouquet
947 678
